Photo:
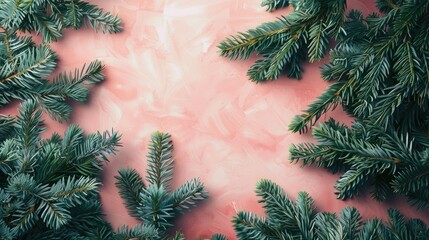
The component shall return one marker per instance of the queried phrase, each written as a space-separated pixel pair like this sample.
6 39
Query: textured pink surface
164 73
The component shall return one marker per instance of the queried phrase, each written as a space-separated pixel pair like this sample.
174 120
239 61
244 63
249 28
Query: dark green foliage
6 127
218 237
140 232
155 204
274 4
381 71
367 155
298 220
51 17
289 40
130 186
381 68
24 69
48 187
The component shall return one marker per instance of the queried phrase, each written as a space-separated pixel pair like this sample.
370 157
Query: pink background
164 73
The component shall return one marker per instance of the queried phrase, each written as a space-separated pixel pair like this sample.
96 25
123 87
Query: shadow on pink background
164 73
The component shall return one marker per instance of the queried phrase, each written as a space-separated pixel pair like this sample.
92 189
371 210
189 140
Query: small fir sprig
155 203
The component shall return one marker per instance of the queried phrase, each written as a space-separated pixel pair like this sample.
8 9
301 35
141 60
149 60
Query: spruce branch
218 237
382 71
50 18
24 66
274 4
49 187
130 186
188 194
73 191
329 100
379 68
34 64
281 43
160 161
156 207
42 193
23 72
155 204
319 225
99 20
140 232
6 126
178 236
251 226
366 154
278 207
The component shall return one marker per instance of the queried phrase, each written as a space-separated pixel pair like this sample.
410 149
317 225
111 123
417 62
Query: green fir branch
160 160
320 225
281 42
274 4
50 18
42 194
130 186
154 203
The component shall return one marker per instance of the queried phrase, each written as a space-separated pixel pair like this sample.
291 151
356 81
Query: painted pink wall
164 73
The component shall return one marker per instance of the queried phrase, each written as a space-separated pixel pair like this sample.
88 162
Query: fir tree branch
278 207
154 203
73 190
391 4
29 126
54 215
6 126
252 227
328 227
218 237
381 73
98 20
8 45
160 160
188 194
51 17
38 63
274 4
156 207
140 231
73 17
24 220
351 222
98 145
50 28
178 236
411 179
242 45
328 100
280 42
52 96
130 186
44 193
322 225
